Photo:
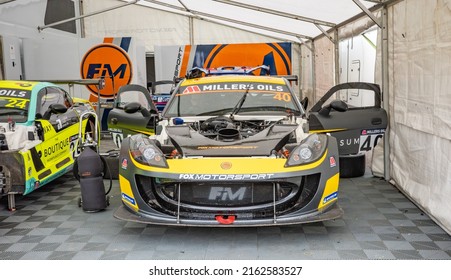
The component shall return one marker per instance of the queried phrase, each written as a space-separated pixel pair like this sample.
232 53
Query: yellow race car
39 134
229 150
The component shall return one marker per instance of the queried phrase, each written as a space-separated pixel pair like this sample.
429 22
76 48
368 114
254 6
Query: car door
133 112
359 128
58 123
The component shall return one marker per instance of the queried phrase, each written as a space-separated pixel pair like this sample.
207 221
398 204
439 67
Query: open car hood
189 142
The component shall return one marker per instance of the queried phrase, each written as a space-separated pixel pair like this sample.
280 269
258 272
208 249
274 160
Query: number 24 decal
16 103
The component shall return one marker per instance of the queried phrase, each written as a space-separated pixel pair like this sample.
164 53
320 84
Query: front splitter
122 213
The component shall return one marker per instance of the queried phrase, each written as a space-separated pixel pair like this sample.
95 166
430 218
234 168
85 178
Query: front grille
200 199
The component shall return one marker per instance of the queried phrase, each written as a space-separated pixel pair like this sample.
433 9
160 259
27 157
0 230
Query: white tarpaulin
420 103
155 27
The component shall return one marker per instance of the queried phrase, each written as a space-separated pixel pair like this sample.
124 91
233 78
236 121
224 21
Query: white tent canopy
296 21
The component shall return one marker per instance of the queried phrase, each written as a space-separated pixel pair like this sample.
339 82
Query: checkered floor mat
379 223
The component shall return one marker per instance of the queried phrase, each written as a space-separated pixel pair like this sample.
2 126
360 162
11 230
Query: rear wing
100 83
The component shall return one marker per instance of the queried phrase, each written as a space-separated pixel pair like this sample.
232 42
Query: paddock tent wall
420 103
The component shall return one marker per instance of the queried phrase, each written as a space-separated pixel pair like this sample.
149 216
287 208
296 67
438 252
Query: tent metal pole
277 13
368 12
201 15
191 30
314 71
325 33
336 57
385 90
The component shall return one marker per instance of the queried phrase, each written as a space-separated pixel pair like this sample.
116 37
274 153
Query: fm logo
110 62
223 193
105 70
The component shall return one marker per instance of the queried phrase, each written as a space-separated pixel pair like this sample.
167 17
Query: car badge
124 163
226 165
332 162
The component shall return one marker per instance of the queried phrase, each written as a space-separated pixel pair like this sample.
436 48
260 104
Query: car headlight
145 151
310 150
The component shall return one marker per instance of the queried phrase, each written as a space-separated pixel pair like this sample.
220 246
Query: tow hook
225 219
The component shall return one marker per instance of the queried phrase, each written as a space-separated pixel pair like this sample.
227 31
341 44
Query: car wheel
352 165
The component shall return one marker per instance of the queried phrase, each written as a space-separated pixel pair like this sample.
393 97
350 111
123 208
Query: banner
175 61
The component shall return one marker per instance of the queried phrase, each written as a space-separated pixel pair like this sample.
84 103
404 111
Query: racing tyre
352 165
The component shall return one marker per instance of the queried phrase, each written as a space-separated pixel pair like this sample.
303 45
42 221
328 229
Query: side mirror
134 107
337 105
54 109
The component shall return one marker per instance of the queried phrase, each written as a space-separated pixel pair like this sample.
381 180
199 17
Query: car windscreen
14 104
240 98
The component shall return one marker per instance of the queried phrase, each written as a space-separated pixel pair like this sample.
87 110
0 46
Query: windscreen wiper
240 103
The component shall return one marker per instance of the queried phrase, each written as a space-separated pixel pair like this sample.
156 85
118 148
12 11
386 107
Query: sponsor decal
225 147
226 193
373 131
108 61
240 86
330 197
179 62
226 177
56 147
128 198
349 142
124 164
332 162
191 89
160 99
13 93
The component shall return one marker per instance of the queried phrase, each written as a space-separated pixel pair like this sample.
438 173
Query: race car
161 93
39 134
229 150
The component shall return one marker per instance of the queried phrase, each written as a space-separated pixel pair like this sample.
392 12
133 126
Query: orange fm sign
108 61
